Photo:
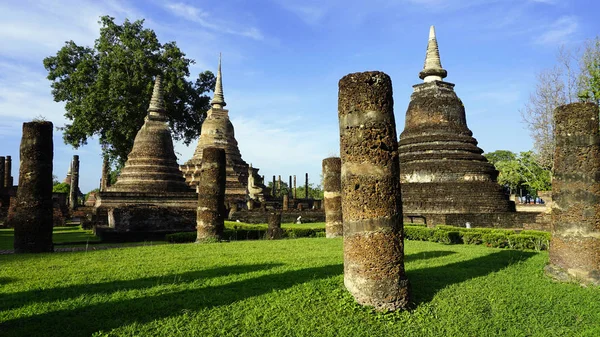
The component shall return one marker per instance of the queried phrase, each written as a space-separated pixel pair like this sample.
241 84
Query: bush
447 237
249 232
183 237
418 233
471 238
496 240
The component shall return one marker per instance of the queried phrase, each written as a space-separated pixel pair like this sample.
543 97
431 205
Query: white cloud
211 22
559 32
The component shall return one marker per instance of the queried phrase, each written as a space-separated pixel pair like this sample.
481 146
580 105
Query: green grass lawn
284 288
60 235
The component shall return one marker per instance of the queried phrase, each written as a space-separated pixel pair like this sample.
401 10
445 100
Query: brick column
332 197
575 246
210 216
371 201
33 211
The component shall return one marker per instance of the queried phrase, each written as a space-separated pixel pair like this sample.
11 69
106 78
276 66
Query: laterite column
210 216
274 230
286 202
2 160
8 179
33 211
371 201
332 197
575 245
74 192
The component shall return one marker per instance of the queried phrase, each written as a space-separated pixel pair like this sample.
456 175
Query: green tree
520 172
61 188
575 77
500 155
107 88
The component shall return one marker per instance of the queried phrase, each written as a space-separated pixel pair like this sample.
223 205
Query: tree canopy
575 77
520 172
107 88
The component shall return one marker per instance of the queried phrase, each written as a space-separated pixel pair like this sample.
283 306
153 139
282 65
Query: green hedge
245 232
491 237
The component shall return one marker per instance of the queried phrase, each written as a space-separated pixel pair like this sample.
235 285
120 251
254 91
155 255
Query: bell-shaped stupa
442 170
217 131
151 165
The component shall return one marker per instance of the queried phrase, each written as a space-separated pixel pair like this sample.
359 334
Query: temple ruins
150 195
445 178
243 181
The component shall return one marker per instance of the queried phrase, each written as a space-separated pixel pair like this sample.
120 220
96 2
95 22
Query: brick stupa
217 131
442 170
152 165
150 198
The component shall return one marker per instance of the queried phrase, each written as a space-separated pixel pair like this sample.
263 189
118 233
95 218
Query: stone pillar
279 185
8 180
33 213
306 186
250 204
105 180
74 193
332 187
211 196
2 163
273 187
274 230
295 195
286 202
290 187
370 184
575 246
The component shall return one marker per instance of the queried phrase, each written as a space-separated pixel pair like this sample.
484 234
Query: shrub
497 240
471 238
447 237
182 237
417 233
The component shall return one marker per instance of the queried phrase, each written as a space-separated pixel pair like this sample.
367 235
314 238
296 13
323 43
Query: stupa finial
432 70
157 102
218 100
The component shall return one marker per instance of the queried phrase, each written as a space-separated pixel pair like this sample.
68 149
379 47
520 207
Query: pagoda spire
218 101
432 70
157 110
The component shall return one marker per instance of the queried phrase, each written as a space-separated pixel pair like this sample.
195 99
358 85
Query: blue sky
282 60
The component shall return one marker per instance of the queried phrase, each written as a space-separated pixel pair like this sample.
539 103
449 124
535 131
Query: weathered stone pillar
2 163
306 186
371 201
273 187
286 202
575 246
295 195
105 180
33 213
8 179
274 230
250 205
290 187
279 185
211 195
332 188
74 192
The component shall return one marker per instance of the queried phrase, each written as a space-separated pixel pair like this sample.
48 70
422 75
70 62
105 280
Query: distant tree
576 77
61 188
500 155
520 172
107 88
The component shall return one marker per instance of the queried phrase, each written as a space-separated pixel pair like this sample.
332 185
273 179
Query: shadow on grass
84 321
19 299
426 282
427 255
